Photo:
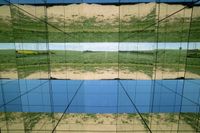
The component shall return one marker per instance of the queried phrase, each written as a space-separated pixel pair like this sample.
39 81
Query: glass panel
171 57
136 57
192 66
28 26
8 67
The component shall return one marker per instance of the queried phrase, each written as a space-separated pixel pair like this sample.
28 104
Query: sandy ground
97 123
9 74
74 122
5 11
102 74
104 12
172 75
163 10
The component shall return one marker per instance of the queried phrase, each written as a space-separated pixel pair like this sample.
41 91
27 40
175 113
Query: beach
101 74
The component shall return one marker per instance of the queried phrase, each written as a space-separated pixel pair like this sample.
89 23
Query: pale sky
125 46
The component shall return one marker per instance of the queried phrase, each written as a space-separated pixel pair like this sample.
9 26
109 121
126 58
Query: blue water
100 96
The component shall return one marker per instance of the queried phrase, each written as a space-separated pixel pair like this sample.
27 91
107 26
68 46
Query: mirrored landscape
99 66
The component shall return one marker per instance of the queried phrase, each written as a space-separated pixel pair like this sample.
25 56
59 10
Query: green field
23 28
28 62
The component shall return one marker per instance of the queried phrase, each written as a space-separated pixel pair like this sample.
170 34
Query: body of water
100 96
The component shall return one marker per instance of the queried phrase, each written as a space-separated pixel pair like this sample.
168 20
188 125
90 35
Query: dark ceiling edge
117 4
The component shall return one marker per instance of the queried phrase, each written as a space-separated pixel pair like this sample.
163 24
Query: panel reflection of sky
100 46
100 96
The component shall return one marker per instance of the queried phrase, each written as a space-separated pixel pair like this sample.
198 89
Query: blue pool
100 96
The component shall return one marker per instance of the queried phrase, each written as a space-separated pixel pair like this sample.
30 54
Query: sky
87 1
99 46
